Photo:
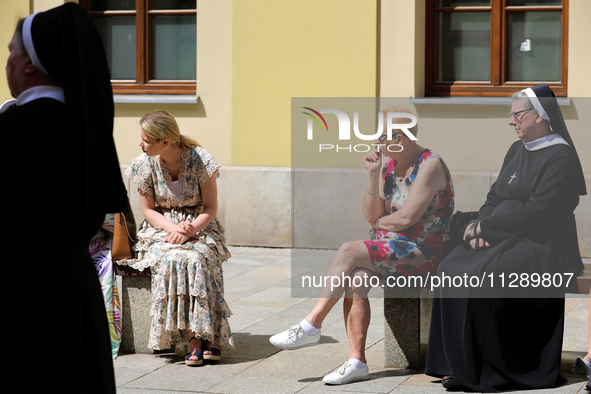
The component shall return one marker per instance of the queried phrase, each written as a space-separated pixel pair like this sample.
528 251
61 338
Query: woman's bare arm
373 199
431 178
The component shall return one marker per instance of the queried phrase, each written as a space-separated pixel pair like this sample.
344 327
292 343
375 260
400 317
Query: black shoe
580 367
450 383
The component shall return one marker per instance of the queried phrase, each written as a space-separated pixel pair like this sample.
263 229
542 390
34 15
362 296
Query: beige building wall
283 49
579 56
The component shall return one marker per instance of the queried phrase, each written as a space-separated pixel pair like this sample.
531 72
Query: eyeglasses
516 116
379 139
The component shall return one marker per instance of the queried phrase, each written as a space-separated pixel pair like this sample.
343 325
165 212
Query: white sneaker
294 338
347 373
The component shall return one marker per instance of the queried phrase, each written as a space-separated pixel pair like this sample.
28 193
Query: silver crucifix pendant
513 176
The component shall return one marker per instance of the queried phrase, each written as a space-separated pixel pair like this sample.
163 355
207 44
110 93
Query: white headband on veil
28 41
536 103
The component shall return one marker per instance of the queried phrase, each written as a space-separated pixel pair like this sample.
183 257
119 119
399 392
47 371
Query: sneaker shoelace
343 367
294 331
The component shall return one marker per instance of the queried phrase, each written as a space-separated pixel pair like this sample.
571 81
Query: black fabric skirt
60 319
496 343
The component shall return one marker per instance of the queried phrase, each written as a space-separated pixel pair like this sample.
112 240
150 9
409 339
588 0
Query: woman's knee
361 282
350 253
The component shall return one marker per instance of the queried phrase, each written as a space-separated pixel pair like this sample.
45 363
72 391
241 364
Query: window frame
143 84
497 84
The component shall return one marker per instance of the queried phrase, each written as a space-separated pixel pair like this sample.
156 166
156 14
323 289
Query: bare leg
357 314
350 256
196 345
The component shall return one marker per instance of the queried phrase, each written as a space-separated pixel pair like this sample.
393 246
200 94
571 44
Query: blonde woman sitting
181 240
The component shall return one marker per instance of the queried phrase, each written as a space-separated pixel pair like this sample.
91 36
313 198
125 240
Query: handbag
124 235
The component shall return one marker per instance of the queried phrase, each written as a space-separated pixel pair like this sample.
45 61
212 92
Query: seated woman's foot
212 353
449 382
294 338
347 373
194 358
581 367
195 355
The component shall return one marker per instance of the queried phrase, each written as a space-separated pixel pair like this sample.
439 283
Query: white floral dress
187 279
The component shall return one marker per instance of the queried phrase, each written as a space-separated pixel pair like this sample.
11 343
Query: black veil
544 97
70 49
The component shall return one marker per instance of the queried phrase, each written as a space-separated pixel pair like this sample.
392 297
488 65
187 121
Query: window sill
155 98
459 100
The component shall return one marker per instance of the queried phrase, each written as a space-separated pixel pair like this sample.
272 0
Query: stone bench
136 301
136 298
407 318
407 315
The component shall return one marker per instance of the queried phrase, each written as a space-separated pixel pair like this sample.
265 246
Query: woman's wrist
201 222
373 186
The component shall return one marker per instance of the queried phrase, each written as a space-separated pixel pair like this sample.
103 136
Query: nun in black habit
63 176
493 337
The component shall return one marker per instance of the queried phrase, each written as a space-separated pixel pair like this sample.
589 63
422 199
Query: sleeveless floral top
417 249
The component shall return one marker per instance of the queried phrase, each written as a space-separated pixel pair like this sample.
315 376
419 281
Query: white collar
544 142
37 92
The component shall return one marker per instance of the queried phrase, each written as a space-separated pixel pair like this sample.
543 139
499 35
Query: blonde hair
161 124
414 130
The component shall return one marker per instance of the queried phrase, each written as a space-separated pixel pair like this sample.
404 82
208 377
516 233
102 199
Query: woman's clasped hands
182 233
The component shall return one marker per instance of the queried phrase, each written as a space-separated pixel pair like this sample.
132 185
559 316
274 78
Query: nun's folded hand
478 243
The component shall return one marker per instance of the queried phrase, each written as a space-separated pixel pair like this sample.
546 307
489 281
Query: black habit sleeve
548 200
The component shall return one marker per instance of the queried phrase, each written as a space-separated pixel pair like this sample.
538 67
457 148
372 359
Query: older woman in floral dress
409 204
181 240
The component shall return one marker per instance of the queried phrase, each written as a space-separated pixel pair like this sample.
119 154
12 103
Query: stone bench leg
407 317
136 297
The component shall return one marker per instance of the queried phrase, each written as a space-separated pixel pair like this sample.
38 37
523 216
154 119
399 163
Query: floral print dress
418 249
187 279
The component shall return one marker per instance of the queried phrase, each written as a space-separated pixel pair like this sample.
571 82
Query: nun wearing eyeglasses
506 332
62 179
408 202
